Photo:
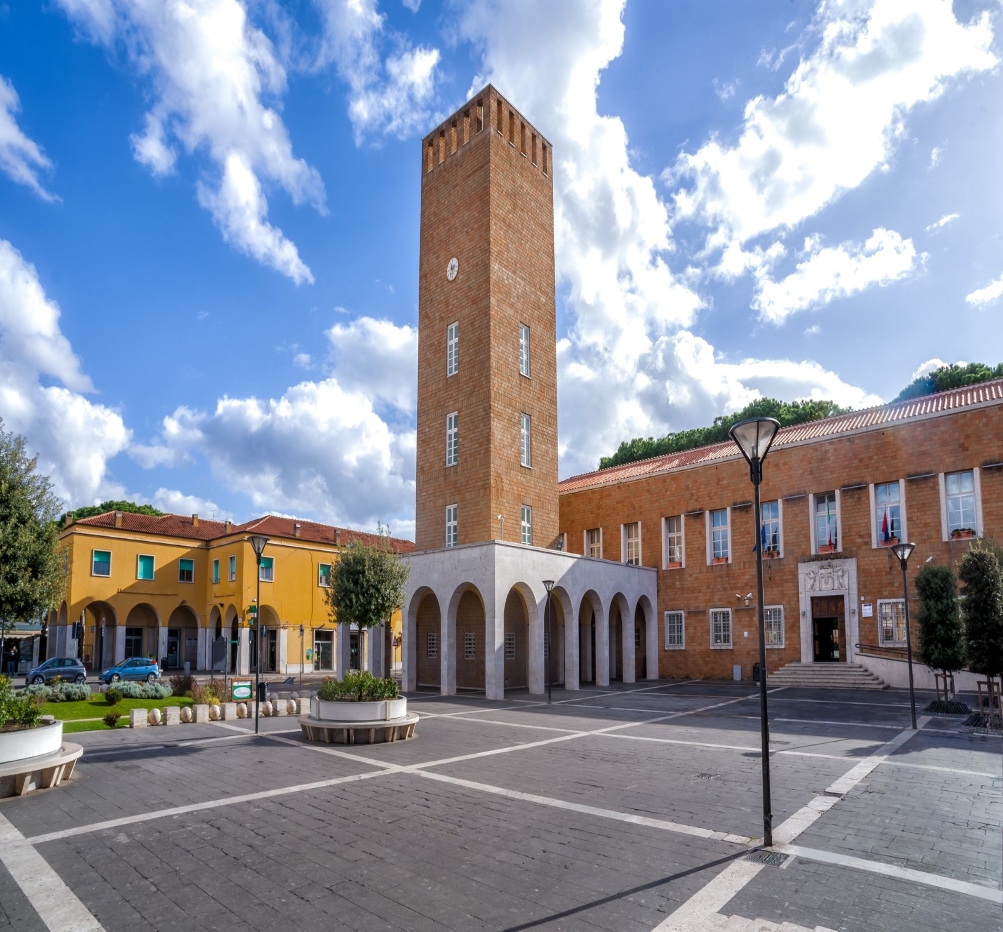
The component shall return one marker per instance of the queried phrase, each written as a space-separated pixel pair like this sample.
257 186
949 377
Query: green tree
88 511
31 578
941 637
981 575
368 584
948 377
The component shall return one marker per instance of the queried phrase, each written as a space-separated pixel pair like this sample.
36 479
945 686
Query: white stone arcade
501 585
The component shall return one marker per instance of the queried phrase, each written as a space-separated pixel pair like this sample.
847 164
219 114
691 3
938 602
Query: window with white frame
887 513
524 350
186 571
452 431
470 646
145 567
593 543
674 541
826 523
527 524
452 349
451 525
632 543
215 571
720 627
324 575
101 563
774 625
231 568
675 631
510 646
720 541
891 621
266 572
525 451
960 494
769 528
432 646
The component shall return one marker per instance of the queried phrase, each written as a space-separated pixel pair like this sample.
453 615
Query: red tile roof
940 403
272 525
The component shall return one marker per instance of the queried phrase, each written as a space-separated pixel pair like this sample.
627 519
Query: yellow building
183 590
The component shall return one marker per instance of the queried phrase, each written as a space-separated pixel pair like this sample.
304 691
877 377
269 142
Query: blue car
136 668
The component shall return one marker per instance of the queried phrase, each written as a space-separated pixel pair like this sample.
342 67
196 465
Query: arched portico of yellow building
183 590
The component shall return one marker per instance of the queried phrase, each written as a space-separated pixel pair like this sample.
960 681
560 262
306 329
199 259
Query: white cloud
725 89
813 331
177 503
836 122
390 97
211 71
303 361
20 157
322 448
925 368
983 296
834 272
40 390
942 222
935 155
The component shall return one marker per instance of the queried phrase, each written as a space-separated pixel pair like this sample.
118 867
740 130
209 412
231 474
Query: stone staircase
825 676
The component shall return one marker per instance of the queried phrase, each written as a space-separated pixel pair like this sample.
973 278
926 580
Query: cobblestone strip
57 906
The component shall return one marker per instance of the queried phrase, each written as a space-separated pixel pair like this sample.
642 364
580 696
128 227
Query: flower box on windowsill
719 560
891 542
673 565
771 555
962 533
827 548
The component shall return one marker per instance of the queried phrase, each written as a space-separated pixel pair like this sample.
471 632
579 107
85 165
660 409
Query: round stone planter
46 738
380 710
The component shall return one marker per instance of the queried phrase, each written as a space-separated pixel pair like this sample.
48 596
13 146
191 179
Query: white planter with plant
23 733
359 697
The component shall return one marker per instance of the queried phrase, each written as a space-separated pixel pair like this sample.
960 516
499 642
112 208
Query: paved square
632 807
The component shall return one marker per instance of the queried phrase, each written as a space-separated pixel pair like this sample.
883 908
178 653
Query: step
834 675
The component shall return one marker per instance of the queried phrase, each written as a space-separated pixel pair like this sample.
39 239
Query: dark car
65 668
136 668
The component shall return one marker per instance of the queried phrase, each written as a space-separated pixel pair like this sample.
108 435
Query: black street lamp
903 552
549 585
754 437
258 542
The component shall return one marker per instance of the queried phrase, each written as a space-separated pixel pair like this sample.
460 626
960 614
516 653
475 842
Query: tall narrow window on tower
452 349
524 350
527 524
451 437
524 440
451 525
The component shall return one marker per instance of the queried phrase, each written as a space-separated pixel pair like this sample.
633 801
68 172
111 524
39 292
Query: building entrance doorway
353 651
828 629
173 648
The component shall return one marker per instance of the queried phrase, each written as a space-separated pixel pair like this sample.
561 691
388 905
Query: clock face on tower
452 269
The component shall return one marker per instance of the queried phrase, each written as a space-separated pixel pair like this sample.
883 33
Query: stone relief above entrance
826 578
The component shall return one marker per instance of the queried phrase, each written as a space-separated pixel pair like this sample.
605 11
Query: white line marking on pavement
198 807
56 904
820 721
893 870
663 824
701 909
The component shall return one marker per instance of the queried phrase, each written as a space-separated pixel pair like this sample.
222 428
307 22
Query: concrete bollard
154 717
215 712
172 715
279 707
200 712
229 710
186 715
241 710
291 706
138 718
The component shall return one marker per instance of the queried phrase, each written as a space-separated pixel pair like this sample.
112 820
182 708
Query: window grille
675 632
720 627
470 646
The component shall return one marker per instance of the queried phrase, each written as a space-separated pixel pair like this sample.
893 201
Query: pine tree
941 637
981 576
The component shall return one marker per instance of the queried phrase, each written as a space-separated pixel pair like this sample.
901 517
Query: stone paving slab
16 912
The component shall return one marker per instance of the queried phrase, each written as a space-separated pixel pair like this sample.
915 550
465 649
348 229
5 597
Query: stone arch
517 640
267 639
462 649
649 639
181 646
620 628
142 631
101 616
215 642
593 640
423 644
61 618
231 627
216 622
569 639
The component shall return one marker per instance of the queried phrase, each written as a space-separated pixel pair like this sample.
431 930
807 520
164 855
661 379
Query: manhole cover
770 858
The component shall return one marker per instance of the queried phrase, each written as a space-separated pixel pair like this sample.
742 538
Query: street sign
241 690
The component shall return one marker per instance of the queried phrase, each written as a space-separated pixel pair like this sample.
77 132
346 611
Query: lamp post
258 542
903 552
754 437
549 585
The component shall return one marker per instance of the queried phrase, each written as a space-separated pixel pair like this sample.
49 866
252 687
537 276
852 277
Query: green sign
242 690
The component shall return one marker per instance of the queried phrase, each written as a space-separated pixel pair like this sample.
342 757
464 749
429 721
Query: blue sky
209 224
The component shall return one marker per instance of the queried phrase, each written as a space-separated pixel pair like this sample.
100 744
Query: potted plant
23 731
962 533
359 697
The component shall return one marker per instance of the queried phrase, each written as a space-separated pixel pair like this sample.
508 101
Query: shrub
358 686
70 692
211 693
182 684
111 719
131 690
982 606
17 711
39 691
113 696
941 637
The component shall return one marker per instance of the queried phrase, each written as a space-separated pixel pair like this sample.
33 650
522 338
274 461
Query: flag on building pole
885 536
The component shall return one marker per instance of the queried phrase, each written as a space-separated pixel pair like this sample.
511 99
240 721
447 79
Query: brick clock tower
487 360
